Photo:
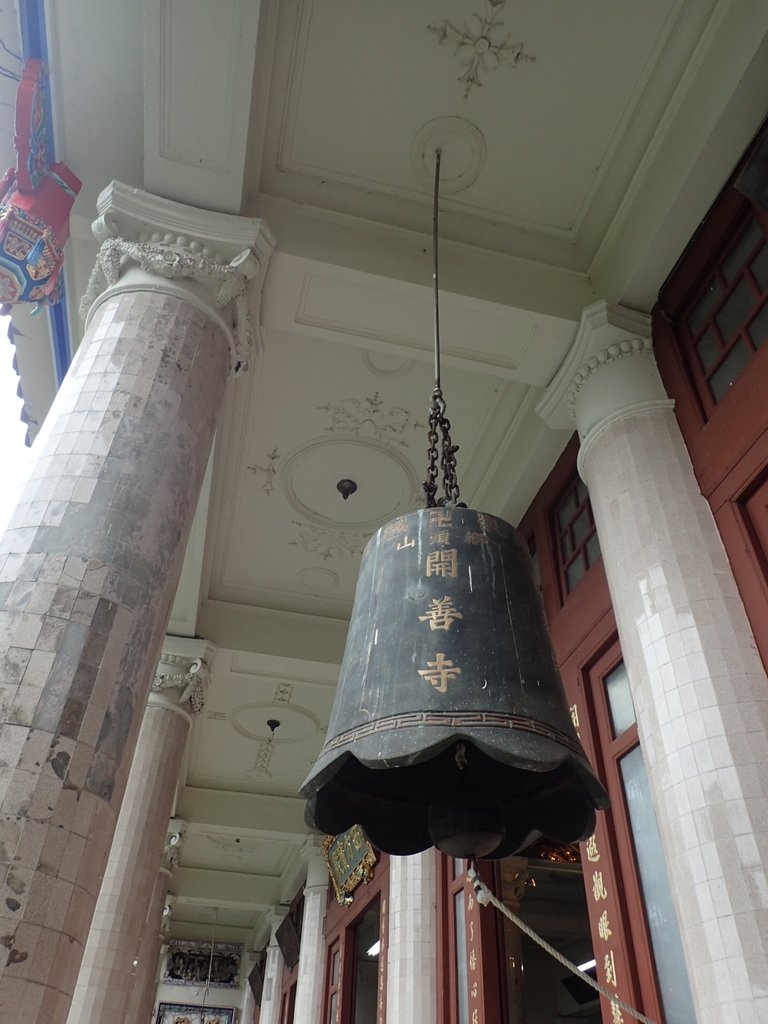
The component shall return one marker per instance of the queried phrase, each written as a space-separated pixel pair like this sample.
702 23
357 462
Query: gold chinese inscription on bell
439 517
440 537
395 528
405 543
441 614
442 563
440 672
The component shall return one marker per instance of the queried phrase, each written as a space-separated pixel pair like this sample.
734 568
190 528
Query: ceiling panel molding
197 102
372 312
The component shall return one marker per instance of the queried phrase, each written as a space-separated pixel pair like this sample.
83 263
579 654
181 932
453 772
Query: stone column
309 984
412 938
143 987
91 558
699 688
116 948
248 1005
273 971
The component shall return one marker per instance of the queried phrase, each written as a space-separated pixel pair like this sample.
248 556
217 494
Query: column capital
607 333
182 675
609 373
311 852
217 261
174 840
275 917
165 922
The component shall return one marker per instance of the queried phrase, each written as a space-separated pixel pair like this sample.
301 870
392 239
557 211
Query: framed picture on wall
189 962
179 1013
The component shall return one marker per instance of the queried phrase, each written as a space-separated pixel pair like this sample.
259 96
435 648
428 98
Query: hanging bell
450 725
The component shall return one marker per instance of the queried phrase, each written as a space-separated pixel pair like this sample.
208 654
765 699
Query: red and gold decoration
36 198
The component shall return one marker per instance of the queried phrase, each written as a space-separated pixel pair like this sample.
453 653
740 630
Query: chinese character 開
442 563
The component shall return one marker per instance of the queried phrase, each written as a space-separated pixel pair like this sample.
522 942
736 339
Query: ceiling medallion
463 150
482 46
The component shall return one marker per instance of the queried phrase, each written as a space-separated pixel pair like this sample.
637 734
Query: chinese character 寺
604 927
616 1015
598 889
593 854
440 672
442 563
405 543
439 538
610 969
441 614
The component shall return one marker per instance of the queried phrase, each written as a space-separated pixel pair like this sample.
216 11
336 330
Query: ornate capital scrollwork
176 259
174 840
188 676
223 257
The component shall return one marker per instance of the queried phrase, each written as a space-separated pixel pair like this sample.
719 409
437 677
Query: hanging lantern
36 198
450 725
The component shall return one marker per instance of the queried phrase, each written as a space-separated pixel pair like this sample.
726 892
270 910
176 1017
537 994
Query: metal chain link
440 429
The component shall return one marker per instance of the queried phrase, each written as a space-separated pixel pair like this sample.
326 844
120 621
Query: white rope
485 896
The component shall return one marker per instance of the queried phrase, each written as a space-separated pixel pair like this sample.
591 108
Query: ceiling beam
276 817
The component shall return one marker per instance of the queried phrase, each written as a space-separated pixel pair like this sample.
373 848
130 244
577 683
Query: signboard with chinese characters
350 859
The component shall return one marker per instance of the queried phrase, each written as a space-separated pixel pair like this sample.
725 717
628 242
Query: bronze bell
450 725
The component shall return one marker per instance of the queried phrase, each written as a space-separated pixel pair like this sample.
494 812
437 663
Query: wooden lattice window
727 320
577 545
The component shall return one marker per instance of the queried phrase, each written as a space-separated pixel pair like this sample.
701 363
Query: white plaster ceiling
538 156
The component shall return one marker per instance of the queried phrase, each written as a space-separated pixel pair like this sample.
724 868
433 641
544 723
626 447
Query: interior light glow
586 966
374 950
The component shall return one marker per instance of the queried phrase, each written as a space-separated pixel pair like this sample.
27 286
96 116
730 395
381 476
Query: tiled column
115 948
91 559
143 994
248 1005
273 971
698 685
309 985
412 939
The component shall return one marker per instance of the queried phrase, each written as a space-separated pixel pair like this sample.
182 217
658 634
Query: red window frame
584 636
727 442
739 278
573 550
486 980
340 924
